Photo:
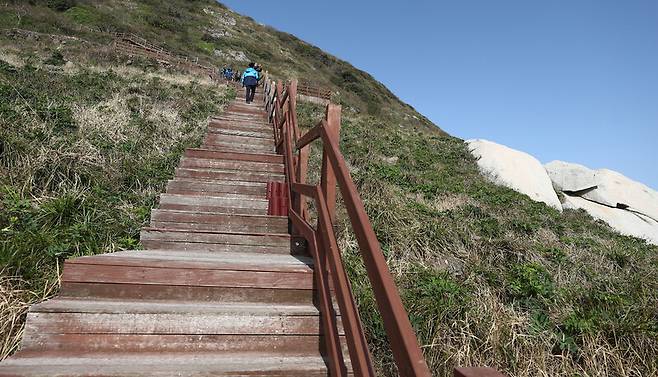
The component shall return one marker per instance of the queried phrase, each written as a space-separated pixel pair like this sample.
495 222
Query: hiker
236 76
259 69
250 79
228 75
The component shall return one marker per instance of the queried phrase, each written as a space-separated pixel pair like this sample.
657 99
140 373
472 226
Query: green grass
83 15
479 265
83 157
488 276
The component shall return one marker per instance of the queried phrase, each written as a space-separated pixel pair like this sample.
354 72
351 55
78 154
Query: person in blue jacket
249 80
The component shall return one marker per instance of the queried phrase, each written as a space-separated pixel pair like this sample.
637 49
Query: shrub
56 58
61 5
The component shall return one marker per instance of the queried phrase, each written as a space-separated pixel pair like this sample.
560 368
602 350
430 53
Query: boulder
605 187
570 177
514 169
625 222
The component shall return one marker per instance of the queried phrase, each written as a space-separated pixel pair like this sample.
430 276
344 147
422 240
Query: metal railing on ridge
281 106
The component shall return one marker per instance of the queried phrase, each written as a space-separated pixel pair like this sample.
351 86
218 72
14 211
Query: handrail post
302 171
278 108
328 177
292 105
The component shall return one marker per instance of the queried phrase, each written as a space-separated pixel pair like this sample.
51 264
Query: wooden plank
214 227
229 200
171 363
237 147
263 134
285 345
266 224
236 123
264 239
205 153
182 186
172 323
188 293
82 273
198 260
228 165
214 247
90 305
227 175
215 138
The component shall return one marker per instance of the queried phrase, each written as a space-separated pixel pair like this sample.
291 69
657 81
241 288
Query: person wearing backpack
249 80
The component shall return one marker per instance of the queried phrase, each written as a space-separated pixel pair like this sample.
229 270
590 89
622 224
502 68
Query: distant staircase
216 292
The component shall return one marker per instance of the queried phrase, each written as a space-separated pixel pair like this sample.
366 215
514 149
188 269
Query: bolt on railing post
328 181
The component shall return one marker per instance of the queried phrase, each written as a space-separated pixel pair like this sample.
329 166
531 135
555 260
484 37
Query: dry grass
15 299
84 154
489 277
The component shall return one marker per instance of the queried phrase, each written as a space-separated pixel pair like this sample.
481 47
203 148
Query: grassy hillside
488 276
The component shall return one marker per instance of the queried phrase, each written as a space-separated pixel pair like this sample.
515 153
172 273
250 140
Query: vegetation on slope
84 152
488 276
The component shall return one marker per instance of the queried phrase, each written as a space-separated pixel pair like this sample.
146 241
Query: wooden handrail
325 253
281 109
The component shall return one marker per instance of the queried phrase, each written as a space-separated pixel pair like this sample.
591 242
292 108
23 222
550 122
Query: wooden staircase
217 291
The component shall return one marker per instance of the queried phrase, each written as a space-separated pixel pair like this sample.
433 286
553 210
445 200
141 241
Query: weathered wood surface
216 292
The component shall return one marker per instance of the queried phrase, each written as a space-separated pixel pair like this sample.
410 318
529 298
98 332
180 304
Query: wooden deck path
216 292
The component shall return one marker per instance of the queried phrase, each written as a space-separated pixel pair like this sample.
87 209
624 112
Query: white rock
611 188
231 54
625 222
570 177
514 169
614 189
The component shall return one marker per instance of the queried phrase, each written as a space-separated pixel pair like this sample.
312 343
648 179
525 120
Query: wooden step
261 119
190 276
264 134
238 127
215 204
66 316
224 164
214 138
197 186
266 240
256 110
121 363
245 111
201 259
217 222
228 175
247 126
206 153
181 292
234 115
237 122
238 148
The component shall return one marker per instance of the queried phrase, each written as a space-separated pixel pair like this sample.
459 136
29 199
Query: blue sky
571 80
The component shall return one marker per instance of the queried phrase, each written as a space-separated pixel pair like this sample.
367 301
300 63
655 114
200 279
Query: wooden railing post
302 171
328 181
292 103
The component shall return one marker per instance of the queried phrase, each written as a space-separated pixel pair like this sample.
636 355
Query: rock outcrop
514 169
625 222
568 177
626 205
